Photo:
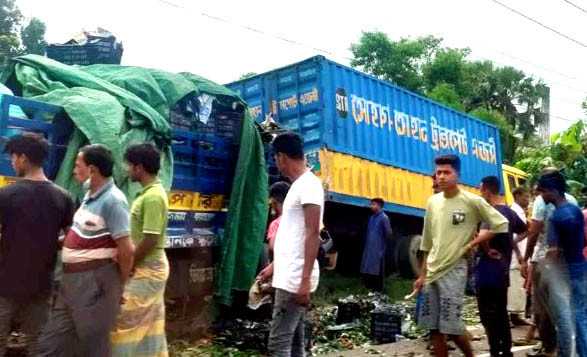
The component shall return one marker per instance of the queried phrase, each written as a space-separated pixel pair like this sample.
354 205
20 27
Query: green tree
508 90
446 75
478 84
33 37
566 151
446 67
8 47
15 39
509 142
10 19
247 75
446 94
397 61
530 99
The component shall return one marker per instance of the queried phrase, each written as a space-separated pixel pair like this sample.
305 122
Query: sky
211 39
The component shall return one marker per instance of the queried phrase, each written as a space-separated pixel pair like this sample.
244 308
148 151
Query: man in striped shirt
97 261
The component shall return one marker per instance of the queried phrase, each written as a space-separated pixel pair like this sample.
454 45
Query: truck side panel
370 121
375 120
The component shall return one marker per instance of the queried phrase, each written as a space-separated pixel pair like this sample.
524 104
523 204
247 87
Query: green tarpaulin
120 105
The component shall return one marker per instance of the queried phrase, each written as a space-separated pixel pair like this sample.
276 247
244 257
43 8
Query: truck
204 162
366 138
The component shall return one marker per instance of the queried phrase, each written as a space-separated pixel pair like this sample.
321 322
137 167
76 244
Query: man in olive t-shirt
450 223
140 330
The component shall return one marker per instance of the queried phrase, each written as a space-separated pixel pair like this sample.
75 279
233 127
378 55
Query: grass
334 286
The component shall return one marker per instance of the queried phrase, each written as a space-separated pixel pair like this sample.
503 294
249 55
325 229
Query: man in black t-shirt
32 213
493 273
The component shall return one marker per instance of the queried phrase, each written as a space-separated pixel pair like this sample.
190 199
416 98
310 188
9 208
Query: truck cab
512 178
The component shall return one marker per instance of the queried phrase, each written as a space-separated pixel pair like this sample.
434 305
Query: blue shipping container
340 109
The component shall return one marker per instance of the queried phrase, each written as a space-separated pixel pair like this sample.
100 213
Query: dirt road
416 348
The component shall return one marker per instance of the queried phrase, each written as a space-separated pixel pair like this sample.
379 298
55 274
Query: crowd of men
109 297
513 258
458 224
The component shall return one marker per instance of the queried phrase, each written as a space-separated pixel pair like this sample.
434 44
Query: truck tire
406 256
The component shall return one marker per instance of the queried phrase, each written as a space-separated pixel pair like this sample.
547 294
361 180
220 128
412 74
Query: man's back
492 271
32 213
567 231
541 211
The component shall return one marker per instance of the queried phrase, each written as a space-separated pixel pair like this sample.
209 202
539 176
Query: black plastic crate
272 170
93 53
385 326
348 312
229 124
221 122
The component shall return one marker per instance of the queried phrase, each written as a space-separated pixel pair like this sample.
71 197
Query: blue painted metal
202 162
193 229
46 119
339 108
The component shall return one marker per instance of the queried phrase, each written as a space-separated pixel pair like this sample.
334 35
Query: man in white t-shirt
294 269
516 293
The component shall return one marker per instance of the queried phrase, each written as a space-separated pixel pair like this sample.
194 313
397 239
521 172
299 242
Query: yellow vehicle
512 178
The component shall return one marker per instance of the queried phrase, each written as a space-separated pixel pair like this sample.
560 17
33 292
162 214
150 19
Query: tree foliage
10 17
509 142
396 61
33 37
447 76
566 151
247 75
16 39
447 66
446 94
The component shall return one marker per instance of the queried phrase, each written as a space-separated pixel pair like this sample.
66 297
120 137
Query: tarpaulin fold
120 105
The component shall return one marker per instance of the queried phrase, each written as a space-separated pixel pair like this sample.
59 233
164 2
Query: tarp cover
120 105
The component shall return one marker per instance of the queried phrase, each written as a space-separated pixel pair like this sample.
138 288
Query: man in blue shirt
566 240
376 244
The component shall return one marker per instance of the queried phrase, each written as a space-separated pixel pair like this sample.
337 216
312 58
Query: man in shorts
450 223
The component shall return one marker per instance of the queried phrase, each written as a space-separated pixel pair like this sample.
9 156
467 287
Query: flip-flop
524 342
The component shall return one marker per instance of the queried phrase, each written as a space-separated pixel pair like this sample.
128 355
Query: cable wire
575 5
541 24
215 18
219 19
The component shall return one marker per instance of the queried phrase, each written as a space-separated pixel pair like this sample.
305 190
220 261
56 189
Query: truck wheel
390 265
407 257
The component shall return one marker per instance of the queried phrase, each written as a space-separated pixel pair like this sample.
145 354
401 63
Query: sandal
540 353
524 342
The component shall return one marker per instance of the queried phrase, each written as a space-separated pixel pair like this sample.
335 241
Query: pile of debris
354 322
362 321
245 335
